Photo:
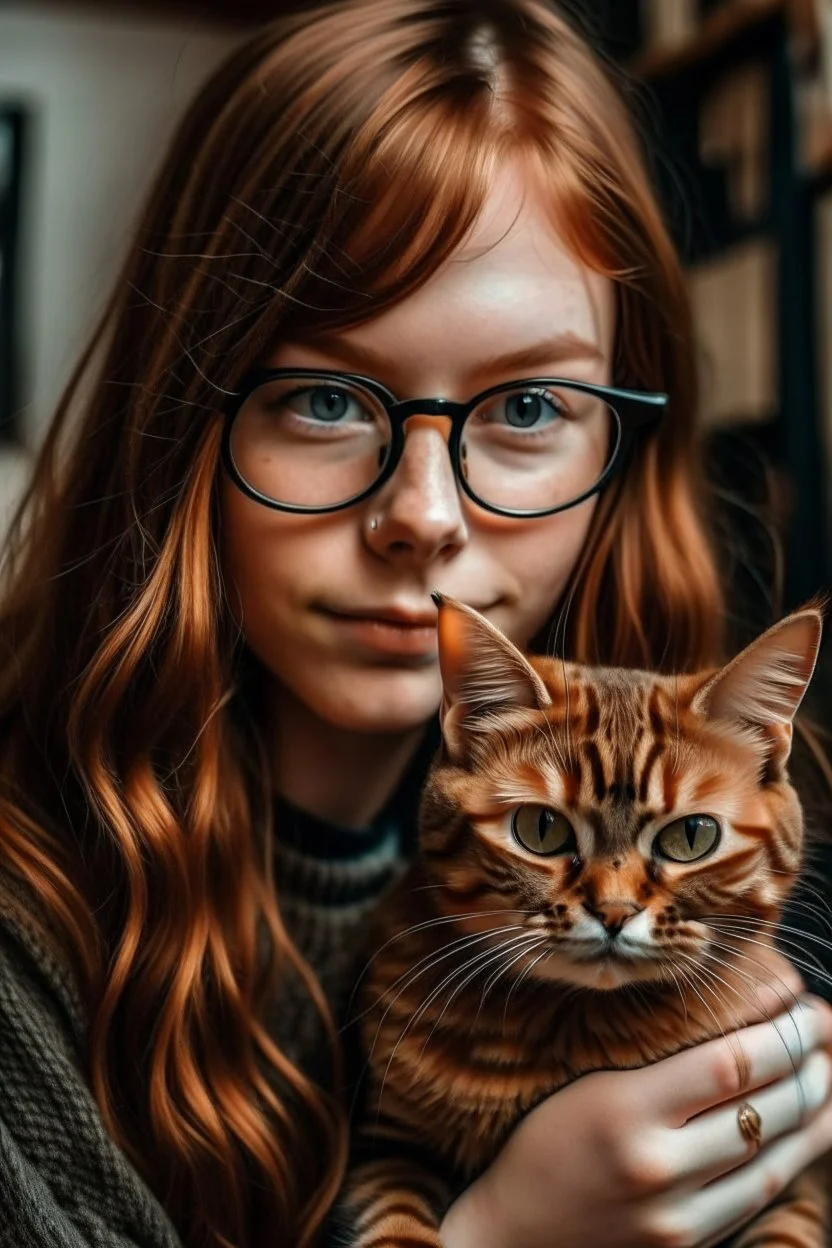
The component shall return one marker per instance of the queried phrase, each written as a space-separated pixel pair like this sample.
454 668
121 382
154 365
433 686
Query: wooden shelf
717 32
817 147
820 166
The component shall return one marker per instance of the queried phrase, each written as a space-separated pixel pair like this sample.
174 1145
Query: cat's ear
764 685
482 673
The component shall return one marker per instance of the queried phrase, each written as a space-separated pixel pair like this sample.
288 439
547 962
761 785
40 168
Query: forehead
622 729
615 707
625 748
512 283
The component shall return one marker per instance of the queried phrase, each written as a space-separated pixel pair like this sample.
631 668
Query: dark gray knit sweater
63 1182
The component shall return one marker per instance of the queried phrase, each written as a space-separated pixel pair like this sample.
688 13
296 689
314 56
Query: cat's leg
800 1218
391 1202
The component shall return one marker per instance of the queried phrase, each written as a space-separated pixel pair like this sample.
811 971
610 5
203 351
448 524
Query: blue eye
328 404
524 409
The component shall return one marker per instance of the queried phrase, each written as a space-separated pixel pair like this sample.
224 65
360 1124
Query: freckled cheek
536 559
268 555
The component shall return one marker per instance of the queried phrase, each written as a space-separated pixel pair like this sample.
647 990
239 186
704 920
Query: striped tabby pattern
601 853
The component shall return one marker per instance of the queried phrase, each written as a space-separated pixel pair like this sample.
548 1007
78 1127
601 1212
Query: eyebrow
547 351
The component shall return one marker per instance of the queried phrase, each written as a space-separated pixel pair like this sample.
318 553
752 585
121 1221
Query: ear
482 673
764 685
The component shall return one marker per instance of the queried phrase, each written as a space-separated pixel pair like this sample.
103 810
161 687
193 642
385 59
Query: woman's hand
654 1156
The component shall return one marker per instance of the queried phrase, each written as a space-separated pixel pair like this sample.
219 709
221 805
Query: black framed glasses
311 440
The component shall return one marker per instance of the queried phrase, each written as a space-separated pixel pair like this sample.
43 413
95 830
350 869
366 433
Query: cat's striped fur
501 974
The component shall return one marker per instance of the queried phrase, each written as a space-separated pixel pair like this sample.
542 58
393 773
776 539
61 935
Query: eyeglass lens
317 443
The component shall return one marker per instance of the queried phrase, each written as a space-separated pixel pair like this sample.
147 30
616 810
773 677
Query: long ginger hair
326 169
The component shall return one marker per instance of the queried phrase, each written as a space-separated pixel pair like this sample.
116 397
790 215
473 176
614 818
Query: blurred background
735 98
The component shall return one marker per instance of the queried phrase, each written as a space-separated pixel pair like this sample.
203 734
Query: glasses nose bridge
440 414
433 465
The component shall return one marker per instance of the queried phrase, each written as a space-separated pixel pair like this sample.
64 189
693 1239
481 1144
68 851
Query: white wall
104 93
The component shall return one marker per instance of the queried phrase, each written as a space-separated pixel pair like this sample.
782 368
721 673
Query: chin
380 700
604 974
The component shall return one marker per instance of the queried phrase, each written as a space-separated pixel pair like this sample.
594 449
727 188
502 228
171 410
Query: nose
613 914
418 512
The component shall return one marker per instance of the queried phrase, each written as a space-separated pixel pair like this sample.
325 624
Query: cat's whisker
547 953
714 977
803 886
762 979
427 963
535 940
800 962
567 990
568 718
692 984
703 978
803 883
811 911
787 1008
678 986
559 628
751 920
777 933
776 928
547 728
437 921
415 1016
423 926
802 959
526 971
492 979
431 959
788 995
734 988
788 998
707 973
813 880
480 961
755 982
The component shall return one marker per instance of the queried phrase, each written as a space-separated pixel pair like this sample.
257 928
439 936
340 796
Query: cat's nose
613 914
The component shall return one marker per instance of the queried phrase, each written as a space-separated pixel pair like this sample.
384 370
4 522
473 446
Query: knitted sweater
63 1182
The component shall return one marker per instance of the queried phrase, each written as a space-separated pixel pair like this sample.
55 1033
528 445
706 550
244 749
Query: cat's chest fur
466 1059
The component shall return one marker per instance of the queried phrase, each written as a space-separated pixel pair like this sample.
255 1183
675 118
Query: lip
402 615
408 638
399 630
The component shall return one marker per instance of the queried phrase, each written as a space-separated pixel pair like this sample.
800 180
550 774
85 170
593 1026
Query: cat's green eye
687 839
542 830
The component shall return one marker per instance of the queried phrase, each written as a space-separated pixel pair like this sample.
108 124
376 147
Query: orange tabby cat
583 830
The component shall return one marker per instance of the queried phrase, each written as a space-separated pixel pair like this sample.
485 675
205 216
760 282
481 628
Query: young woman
219 675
